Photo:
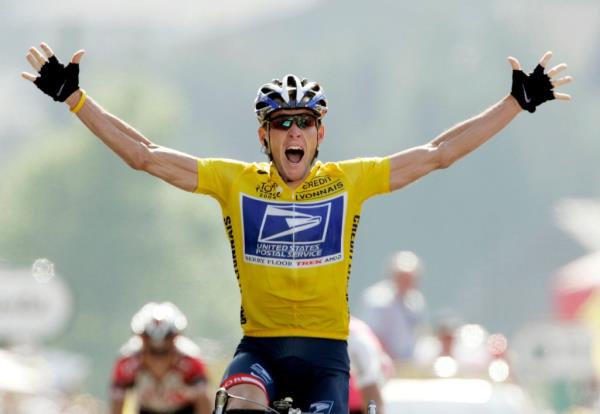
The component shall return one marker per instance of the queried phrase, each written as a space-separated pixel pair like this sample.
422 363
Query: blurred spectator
370 366
438 352
459 349
446 330
394 307
160 367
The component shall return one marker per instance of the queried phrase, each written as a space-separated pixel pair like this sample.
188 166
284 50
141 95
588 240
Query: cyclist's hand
55 79
538 87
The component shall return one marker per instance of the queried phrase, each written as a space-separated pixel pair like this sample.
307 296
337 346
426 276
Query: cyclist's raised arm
528 91
409 165
62 84
174 167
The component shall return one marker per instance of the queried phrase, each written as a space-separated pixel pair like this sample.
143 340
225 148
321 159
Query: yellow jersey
292 249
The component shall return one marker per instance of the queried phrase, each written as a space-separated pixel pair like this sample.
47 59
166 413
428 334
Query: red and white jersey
369 364
179 387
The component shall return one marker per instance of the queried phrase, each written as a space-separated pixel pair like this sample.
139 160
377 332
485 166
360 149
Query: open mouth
294 154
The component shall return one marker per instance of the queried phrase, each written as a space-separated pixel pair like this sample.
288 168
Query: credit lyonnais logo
293 234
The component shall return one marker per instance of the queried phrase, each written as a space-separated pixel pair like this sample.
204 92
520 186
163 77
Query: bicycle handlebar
281 406
223 397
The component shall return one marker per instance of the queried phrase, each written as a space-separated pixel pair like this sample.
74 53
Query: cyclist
291 221
160 366
370 367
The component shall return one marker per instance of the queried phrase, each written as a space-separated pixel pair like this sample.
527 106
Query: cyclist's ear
262 135
320 133
262 139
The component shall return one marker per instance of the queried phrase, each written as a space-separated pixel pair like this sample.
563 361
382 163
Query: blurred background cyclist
370 367
159 370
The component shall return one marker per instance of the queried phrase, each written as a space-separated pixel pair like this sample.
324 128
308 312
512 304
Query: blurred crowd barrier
41 381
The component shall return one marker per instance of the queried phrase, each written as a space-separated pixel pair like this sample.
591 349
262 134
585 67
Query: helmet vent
289 93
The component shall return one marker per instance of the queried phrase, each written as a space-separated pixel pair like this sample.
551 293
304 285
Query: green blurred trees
118 237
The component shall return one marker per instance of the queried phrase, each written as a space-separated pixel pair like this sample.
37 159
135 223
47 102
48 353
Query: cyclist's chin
293 172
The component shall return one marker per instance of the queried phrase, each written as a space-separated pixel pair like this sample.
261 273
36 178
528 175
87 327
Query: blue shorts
313 371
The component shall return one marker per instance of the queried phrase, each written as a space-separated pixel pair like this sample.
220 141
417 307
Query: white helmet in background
158 321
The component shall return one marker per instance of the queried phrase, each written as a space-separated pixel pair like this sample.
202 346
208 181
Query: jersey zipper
294 268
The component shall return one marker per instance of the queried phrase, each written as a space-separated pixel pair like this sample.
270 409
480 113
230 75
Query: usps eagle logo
300 224
293 234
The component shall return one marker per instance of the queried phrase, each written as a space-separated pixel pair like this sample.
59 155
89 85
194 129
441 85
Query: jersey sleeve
369 176
194 371
123 377
365 354
216 176
365 358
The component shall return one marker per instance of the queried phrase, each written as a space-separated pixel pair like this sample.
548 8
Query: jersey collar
277 178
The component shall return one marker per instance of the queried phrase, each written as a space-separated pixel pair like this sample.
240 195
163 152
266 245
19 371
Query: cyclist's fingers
47 51
544 60
562 96
562 81
38 56
33 62
28 76
557 69
76 58
514 63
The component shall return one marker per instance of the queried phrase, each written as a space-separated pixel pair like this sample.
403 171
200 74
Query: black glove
58 81
531 90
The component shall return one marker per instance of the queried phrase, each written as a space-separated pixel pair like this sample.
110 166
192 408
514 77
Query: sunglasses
285 122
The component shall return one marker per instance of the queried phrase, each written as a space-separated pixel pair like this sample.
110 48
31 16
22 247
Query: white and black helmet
289 93
158 321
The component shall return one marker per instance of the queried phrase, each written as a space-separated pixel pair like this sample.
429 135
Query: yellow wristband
79 105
